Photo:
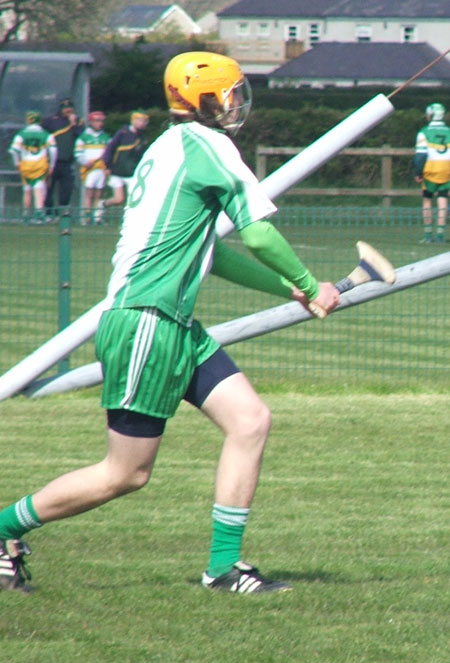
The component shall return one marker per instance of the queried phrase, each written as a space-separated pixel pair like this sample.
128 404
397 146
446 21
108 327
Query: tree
131 78
53 19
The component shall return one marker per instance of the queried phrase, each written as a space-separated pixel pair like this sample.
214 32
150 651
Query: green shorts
34 183
148 359
430 188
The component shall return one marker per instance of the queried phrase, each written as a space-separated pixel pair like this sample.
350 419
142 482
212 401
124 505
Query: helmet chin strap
190 108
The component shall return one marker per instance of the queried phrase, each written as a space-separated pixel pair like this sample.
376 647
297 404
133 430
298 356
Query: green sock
228 529
428 232
440 233
18 519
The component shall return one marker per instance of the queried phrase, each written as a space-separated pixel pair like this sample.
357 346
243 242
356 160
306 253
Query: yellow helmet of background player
209 86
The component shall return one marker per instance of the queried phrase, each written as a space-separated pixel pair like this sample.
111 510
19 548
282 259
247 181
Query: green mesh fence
397 341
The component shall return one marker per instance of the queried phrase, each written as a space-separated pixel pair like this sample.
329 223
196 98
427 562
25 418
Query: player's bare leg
442 204
88 199
27 201
126 467
427 218
96 197
118 197
245 420
38 193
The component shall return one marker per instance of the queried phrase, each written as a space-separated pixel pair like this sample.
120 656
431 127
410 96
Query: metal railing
8 178
53 273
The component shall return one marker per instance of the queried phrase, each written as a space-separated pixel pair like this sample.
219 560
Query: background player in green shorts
432 170
34 153
153 352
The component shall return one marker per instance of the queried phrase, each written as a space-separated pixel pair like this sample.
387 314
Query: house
140 20
262 34
208 23
358 64
401 21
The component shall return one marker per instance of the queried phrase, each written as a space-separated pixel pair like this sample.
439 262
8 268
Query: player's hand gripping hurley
372 266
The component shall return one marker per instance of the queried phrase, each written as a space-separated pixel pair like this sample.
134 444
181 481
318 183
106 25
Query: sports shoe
244 579
13 571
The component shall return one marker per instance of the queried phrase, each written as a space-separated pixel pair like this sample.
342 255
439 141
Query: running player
154 353
122 155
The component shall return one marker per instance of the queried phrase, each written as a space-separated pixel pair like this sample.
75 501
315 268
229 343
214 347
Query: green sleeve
241 269
271 248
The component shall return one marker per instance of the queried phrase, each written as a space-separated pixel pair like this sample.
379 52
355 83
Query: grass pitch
352 508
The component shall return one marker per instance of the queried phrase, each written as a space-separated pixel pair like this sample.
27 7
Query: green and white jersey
434 142
184 179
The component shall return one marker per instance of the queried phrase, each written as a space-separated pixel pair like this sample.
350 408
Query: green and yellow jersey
432 158
34 151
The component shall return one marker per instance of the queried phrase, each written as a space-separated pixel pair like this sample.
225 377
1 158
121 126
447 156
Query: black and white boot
13 572
244 579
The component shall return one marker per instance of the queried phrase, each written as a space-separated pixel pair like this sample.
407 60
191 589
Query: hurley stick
372 266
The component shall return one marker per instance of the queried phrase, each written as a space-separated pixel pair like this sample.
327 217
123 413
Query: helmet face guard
236 107
233 112
208 87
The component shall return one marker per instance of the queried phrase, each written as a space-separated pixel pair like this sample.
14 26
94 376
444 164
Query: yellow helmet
210 86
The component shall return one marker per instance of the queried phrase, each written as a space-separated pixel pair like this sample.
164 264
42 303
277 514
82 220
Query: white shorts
117 182
95 179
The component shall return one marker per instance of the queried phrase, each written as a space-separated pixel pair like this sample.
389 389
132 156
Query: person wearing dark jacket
65 127
122 155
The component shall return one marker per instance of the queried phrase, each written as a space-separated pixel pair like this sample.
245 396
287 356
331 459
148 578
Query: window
409 33
363 33
292 32
263 29
314 33
243 29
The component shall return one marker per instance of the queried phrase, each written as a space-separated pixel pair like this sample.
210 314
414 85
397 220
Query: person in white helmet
154 353
432 171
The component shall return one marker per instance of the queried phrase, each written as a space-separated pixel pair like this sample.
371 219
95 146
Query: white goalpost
275 184
269 320
295 170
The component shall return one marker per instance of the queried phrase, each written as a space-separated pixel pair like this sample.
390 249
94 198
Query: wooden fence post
386 177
